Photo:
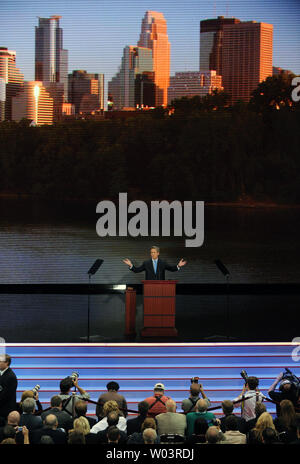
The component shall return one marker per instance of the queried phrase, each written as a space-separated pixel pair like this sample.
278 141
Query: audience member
149 436
81 425
137 438
8 387
28 418
65 393
199 435
81 411
76 438
251 396
134 425
46 440
287 391
8 441
50 429
171 421
113 435
29 394
111 395
232 434
264 421
189 404
201 411
157 402
286 424
259 409
214 435
63 417
269 436
227 407
102 425
297 441
112 421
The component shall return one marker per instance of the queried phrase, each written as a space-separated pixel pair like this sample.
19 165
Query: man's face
3 365
154 253
286 387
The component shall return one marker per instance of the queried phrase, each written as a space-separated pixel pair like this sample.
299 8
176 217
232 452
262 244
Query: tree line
198 149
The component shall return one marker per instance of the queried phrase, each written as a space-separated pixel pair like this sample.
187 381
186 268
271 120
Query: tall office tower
211 42
192 83
133 85
154 36
12 78
51 60
86 91
33 102
246 57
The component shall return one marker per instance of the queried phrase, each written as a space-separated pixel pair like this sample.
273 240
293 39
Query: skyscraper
154 36
51 60
133 84
246 58
211 43
11 78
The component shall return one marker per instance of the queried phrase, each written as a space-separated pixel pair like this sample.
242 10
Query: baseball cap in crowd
159 386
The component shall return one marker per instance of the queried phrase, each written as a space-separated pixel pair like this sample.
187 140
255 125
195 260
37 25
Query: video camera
74 376
292 378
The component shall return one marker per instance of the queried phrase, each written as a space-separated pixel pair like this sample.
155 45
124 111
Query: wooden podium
159 308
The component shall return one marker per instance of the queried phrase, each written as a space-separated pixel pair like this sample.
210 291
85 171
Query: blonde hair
264 421
110 406
81 424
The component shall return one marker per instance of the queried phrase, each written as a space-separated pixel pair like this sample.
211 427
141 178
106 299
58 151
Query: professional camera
292 378
74 376
244 375
35 389
194 380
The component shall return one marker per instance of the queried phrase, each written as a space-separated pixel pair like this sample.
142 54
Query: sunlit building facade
51 60
12 78
154 36
191 83
246 58
133 86
33 103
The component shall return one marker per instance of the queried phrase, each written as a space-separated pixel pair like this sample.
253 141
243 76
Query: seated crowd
66 420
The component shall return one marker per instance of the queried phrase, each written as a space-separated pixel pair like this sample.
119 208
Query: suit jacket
59 437
8 388
134 425
147 266
171 422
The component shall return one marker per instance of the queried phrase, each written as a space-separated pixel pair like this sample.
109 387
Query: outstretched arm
132 267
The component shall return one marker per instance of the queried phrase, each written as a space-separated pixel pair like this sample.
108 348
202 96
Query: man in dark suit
155 267
8 387
134 425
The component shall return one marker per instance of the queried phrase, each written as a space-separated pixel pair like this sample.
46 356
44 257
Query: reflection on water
51 243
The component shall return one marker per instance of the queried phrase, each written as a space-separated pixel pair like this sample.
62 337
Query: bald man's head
13 418
201 405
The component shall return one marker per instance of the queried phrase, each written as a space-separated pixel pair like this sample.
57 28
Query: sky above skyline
96 31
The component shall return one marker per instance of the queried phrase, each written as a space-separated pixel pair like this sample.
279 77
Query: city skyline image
95 33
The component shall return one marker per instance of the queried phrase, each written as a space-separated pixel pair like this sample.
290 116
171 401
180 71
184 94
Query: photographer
251 396
189 404
287 391
65 387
